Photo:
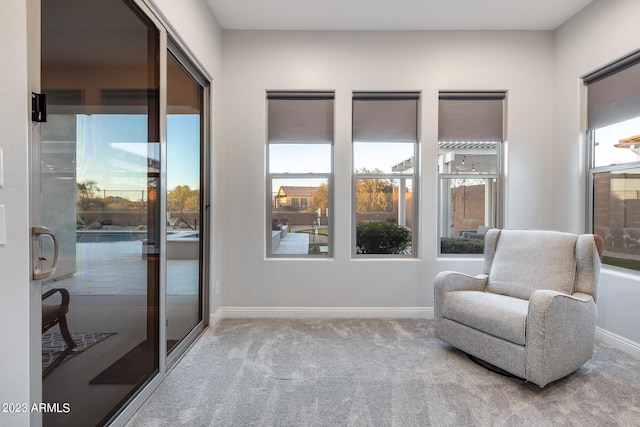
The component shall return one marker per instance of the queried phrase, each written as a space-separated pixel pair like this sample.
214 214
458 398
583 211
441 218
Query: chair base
491 367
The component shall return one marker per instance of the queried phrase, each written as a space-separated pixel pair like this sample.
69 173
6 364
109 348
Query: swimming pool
109 236
123 236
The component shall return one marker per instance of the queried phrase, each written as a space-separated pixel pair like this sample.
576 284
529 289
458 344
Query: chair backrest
483 229
519 262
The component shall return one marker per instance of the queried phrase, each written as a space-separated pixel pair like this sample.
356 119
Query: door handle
43 274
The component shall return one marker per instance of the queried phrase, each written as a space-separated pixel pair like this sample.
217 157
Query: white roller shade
298 119
470 117
385 118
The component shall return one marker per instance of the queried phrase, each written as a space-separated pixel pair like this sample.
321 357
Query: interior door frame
35 212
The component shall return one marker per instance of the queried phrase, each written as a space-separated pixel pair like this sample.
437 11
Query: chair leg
58 361
60 319
64 330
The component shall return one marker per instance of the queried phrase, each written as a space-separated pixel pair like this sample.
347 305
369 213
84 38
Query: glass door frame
190 65
170 40
166 33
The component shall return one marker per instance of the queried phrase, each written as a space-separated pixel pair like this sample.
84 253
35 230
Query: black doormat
132 368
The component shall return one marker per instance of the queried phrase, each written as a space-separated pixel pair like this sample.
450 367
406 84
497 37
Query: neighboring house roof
291 191
403 166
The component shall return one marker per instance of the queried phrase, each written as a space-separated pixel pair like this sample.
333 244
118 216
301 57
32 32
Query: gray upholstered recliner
532 312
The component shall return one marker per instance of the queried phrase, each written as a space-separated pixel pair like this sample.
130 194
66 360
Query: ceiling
330 15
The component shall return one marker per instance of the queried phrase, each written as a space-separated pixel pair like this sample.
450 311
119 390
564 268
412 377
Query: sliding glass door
122 188
185 198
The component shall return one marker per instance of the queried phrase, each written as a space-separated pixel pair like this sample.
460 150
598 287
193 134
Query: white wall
15 289
602 33
198 30
253 62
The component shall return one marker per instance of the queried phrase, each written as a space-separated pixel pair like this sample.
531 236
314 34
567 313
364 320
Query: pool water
109 236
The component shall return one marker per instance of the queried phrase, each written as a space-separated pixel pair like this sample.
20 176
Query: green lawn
321 231
621 262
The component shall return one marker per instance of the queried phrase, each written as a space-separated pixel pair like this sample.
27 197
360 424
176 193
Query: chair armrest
449 281
545 302
64 304
560 334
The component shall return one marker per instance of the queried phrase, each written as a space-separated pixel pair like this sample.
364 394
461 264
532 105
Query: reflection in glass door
100 173
185 225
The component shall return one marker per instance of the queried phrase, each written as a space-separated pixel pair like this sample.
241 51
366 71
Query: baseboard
621 343
324 312
214 318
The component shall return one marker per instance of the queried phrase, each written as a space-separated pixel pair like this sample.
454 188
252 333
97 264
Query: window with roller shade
299 174
613 122
470 135
385 172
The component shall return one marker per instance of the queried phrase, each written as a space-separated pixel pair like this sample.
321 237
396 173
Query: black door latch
38 107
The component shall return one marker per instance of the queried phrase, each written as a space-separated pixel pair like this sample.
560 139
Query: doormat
53 345
132 368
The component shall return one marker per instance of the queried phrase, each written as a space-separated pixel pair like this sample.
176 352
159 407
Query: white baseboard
621 343
322 312
214 318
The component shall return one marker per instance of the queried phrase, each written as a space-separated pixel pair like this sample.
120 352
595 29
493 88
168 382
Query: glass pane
618 143
468 208
184 202
384 216
300 216
616 216
100 175
299 158
468 157
383 157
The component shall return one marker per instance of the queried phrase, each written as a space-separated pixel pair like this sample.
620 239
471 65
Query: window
385 148
613 119
470 134
299 173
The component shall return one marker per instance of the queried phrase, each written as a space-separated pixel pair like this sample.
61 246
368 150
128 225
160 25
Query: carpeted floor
374 372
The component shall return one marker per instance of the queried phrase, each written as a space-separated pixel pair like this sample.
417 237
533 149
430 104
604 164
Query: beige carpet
375 372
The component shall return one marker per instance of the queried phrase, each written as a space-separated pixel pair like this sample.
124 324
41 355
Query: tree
87 189
182 197
320 198
87 193
373 194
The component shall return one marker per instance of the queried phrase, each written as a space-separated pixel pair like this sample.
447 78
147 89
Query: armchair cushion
498 315
50 315
531 260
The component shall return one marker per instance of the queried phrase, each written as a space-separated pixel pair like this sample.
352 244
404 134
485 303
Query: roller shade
470 117
300 117
385 117
613 93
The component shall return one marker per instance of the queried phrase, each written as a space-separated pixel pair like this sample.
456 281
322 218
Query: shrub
381 237
458 245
